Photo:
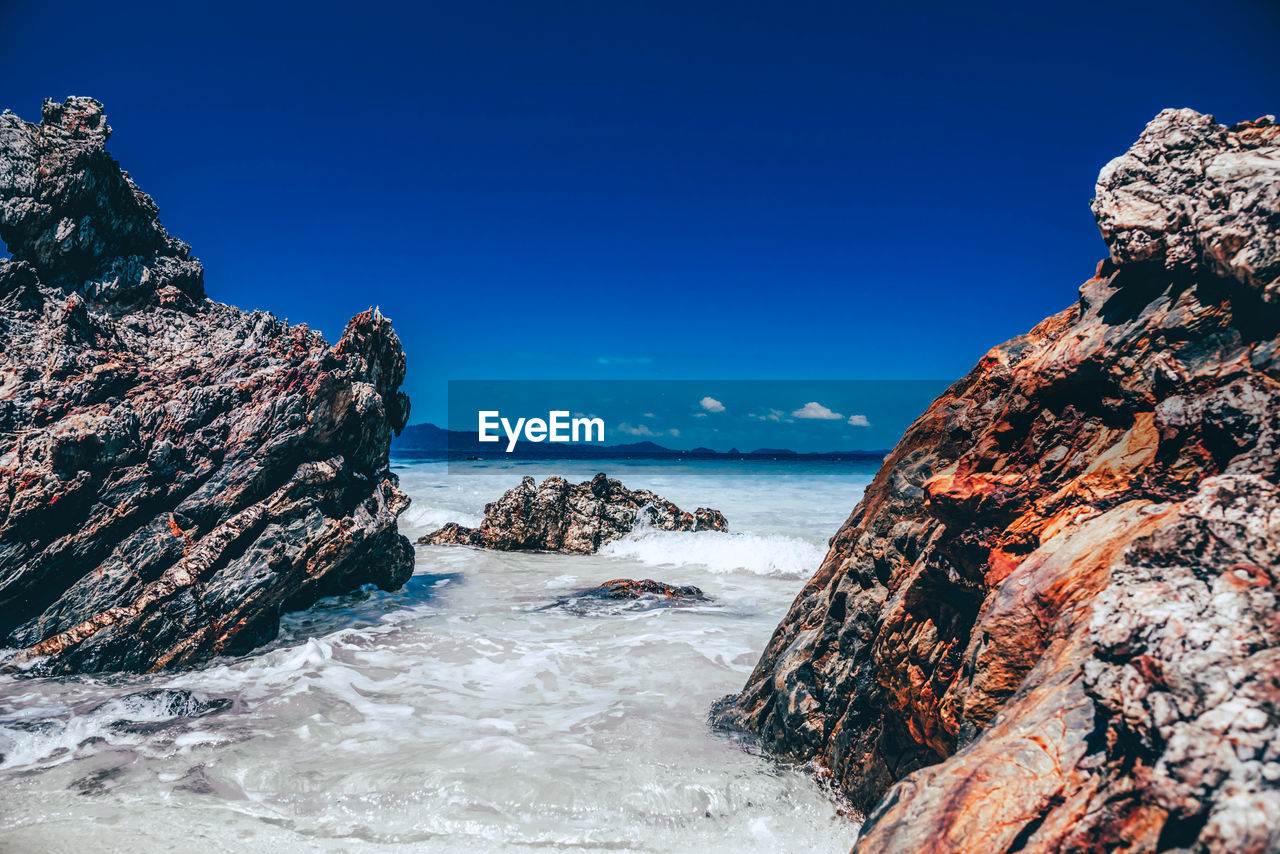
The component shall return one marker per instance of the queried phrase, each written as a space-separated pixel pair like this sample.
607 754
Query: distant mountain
430 441
425 437
640 447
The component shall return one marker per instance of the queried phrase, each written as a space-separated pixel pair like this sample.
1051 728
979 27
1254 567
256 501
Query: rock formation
644 588
1051 624
558 516
627 595
174 472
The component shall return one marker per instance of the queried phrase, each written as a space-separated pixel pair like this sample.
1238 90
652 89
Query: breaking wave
773 555
430 518
31 738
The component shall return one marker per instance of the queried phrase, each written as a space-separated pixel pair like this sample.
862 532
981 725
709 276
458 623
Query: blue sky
643 190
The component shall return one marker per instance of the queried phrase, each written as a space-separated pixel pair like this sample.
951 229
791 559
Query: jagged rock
1198 196
68 209
174 473
644 588
579 518
1051 623
626 595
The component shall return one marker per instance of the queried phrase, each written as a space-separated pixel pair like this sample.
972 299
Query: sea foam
773 555
432 518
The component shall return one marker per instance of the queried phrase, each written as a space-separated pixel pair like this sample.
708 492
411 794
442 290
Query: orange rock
1051 624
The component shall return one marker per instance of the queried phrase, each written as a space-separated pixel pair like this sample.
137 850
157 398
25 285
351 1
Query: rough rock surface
174 473
629 595
1051 624
558 516
631 588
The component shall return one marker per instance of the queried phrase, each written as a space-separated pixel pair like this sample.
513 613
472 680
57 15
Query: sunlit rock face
174 472
1051 624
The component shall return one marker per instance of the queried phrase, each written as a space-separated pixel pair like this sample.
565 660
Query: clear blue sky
643 190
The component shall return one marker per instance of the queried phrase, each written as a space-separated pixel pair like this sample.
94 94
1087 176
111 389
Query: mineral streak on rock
579 518
174 473
1051 623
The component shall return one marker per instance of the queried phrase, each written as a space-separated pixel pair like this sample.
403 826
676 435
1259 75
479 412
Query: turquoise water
467 711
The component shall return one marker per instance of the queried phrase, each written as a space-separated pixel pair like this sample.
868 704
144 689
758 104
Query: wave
55 734
432 518
774 554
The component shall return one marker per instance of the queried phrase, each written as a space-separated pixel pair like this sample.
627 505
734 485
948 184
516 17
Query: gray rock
579 518
174 473
1195 195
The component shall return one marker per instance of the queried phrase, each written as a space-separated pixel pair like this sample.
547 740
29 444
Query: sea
483 707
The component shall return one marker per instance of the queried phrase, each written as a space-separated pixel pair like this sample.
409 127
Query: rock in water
644 588
176 472
627 595
1051 623
558 516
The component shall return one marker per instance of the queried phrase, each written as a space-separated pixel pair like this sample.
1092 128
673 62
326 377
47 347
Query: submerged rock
1050 624
572 518
630 588
624 595
174 473
158 709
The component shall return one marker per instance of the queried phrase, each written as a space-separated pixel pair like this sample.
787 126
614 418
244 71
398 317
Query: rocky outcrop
174 473
644 588
558 516
628 595
1051 623
1198 198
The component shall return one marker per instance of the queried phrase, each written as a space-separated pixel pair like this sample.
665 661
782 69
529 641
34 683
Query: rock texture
558 516
1051 624
644 588
627 596
174 472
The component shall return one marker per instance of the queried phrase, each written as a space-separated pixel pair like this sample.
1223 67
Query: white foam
51 735
470 718
773 555
425 516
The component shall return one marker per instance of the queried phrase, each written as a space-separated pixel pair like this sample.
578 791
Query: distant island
428 440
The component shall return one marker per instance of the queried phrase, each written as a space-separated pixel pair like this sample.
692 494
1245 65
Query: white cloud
774 415
674 432
649 415
638 430
817 411
859 421
699 415
711 404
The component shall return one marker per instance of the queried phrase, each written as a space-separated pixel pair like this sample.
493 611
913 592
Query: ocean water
480 708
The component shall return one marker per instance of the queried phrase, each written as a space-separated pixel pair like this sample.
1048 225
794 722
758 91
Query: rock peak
69 210
76 118
1197 196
